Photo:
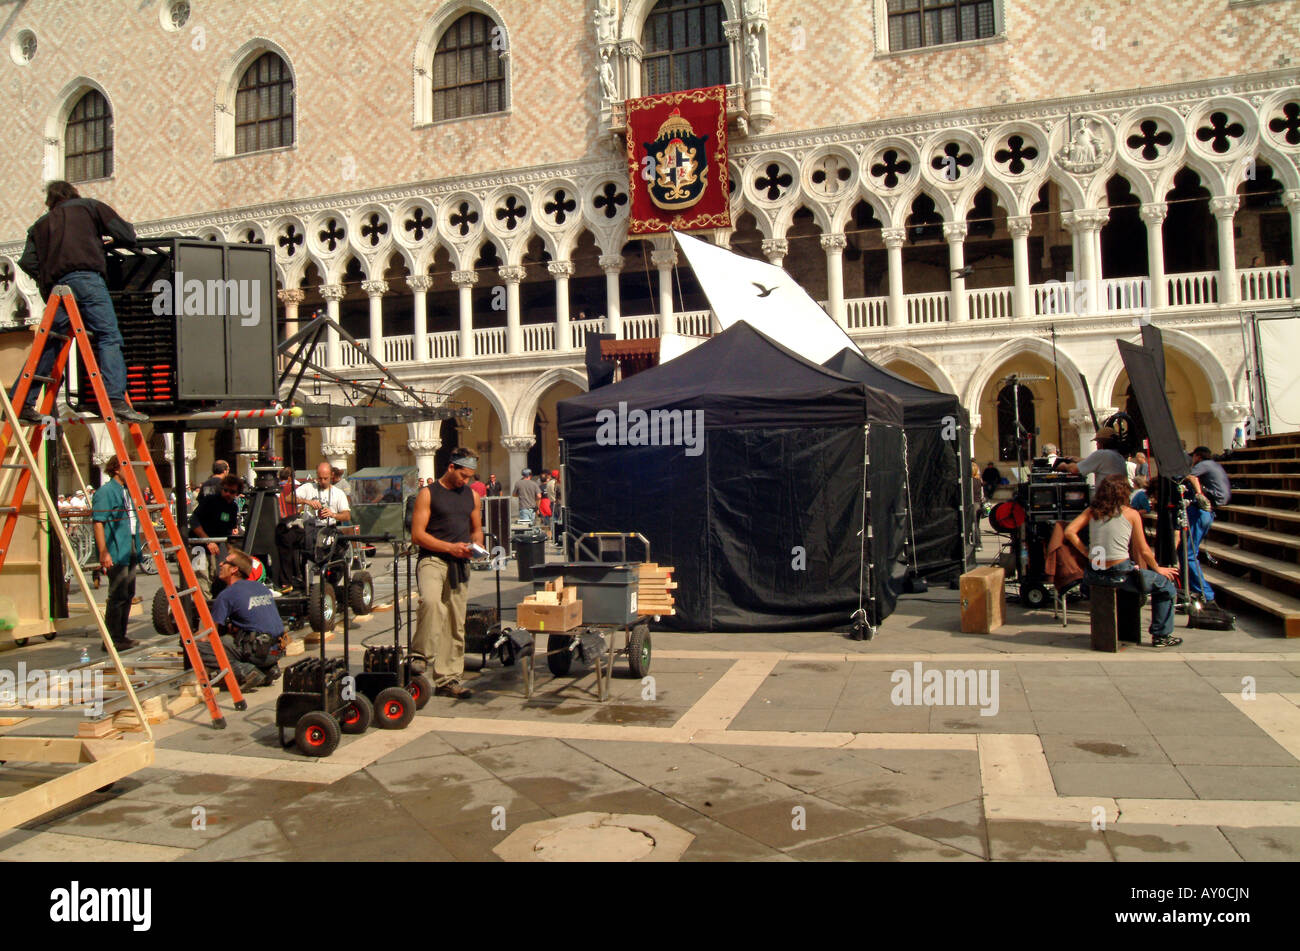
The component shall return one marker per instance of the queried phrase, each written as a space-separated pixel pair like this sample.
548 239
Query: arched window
264 106
469 74
88 139
1007 449
684 47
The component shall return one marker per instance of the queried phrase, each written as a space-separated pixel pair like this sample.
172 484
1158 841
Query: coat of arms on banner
677 161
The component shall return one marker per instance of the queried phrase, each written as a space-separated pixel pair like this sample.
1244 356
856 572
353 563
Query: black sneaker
125 414
1167 640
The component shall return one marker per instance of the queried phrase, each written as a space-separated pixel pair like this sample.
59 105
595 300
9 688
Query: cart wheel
420 689
50 636
638 651
20 642
394 709
357 715
321 608
558 663
361 593
317 733
1034 596
162 614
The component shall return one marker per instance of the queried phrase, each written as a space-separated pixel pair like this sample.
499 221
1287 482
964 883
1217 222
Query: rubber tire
361 593
20 642
421 689
638 651
317 734
558 664
357 716
162 614
322 595
1034 596
51 636
394 709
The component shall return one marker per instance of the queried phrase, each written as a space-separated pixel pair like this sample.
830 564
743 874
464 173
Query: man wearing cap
1106 461
448 518
527 492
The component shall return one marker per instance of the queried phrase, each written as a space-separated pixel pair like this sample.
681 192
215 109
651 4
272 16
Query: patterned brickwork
353 59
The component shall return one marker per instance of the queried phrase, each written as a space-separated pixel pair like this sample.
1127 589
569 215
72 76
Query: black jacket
67 238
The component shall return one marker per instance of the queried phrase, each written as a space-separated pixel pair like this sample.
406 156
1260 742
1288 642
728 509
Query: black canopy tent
939 467
760 513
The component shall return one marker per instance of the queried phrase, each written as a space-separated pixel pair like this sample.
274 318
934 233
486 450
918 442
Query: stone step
1260 535
1258 511
1239 591
1287 571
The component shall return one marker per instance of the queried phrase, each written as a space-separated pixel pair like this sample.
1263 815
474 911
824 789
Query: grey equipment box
607 591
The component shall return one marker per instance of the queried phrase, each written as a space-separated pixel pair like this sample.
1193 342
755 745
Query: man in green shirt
117 536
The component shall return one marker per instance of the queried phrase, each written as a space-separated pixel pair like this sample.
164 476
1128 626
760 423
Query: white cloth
331 498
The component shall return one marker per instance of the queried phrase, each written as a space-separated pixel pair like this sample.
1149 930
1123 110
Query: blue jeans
91 294
1160 589
1198 525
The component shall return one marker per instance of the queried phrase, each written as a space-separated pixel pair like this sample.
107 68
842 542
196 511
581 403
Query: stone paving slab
1135 780
1151 843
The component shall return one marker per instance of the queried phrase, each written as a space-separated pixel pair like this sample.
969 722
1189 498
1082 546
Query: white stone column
332 293
1088 225
1022 300
894 238
465 281
665 259
419 285
191 453
954 232
1231 415
518 447
424 441
612 265
775 249
247 446
291 297
834 245
514 330
1291 198
376 290
337 443
1153 215
562 271
1224 208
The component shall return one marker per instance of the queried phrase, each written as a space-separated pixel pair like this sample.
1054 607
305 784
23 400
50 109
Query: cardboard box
983 600
549 618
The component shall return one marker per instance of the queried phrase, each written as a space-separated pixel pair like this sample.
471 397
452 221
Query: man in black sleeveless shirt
446 520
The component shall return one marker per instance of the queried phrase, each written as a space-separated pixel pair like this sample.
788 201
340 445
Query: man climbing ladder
56 358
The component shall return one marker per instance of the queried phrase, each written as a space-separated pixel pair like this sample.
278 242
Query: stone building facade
1004 201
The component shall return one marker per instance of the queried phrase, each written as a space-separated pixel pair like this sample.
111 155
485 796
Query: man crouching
251 630
446 520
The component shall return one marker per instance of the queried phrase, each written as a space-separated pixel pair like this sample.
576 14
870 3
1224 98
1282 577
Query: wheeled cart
393 677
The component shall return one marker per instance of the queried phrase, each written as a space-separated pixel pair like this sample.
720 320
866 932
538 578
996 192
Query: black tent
939 471
745 465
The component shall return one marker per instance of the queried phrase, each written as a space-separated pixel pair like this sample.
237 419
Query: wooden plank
1288 571
1256 534
1272 602
1289 515
103 766
40 749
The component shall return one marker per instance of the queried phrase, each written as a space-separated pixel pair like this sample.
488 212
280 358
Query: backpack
544 507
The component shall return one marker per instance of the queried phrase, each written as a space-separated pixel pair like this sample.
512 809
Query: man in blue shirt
251 629
1209 482
117 537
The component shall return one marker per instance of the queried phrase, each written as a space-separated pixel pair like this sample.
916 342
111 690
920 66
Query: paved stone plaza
785 746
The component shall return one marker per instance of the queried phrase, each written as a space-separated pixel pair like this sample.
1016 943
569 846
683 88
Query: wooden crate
983 600
549 617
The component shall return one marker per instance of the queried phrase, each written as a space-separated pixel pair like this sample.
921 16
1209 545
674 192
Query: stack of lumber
655 585
556 608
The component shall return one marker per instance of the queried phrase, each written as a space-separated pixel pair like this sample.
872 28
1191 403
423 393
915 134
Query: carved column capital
955 231
1230 413
1291 198
776 247
893 237
1020 225
1224 206
375 288
560 268
512 274
1093 219
419 283
424 446
464 278
611 263
518 443
291 295
834 242
1154 212
664 257
336 449
334 292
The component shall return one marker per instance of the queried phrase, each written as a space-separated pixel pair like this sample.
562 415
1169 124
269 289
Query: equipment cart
392 677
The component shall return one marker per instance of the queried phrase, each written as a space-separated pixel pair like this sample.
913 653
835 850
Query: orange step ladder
131 462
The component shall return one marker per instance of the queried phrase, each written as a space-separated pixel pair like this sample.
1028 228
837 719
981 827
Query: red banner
677 161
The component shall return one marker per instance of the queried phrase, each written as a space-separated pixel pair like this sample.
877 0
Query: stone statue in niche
606 21
607 84
1084 151
755 8
755 58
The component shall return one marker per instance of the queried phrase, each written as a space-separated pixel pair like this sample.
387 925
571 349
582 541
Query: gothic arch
1221 385
228 86
470 382
526 408
636 11
914 357
1068 369
426 44
56 123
